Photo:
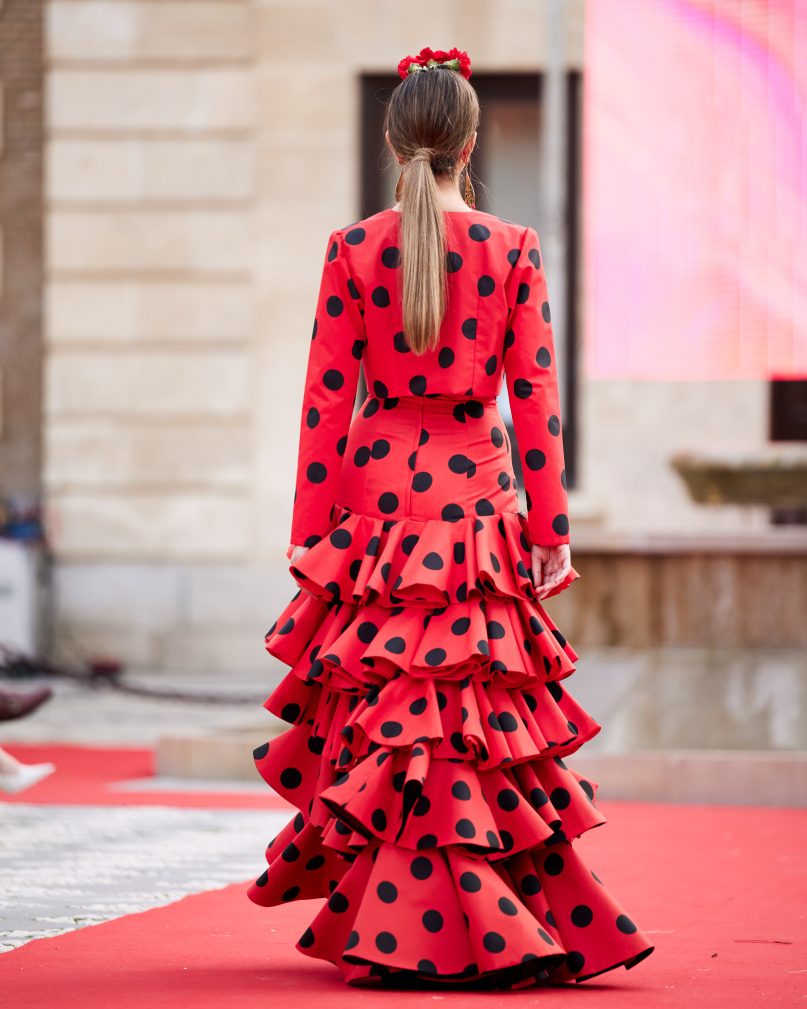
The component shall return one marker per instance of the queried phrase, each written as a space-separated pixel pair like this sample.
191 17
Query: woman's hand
550 565
294 553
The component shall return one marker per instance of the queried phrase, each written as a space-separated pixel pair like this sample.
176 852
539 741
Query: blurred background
169 173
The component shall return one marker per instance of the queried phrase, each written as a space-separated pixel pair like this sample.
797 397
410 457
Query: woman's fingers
548 586
537 573
550 565
294 553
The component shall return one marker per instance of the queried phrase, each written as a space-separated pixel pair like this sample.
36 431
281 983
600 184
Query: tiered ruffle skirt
428 726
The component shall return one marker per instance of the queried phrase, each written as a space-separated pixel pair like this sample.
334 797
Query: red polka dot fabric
497 326
428 720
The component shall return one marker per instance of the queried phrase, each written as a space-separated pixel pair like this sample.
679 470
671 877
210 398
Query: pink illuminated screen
695 189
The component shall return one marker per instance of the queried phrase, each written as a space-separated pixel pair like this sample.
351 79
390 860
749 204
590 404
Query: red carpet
720 889
84 773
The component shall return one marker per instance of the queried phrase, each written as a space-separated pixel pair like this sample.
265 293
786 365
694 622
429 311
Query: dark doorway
788 422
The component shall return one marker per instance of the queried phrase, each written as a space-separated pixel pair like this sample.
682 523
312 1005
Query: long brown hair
431 116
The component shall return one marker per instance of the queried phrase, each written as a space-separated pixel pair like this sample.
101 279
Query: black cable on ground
108 673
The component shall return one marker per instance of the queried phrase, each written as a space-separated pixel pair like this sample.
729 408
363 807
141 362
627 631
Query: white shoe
24 776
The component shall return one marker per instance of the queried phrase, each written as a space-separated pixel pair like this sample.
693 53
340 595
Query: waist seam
436 397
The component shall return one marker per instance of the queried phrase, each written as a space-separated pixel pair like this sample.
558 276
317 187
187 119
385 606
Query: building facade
197 153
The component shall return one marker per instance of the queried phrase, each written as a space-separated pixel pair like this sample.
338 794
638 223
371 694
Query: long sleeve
337 343
532 385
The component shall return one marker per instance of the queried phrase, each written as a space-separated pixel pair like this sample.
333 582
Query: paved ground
63 867
79 713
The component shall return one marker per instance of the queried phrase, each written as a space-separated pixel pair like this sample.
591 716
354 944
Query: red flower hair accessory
427 59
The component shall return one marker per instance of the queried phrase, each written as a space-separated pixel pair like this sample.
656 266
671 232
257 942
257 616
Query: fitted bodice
480 253
496 327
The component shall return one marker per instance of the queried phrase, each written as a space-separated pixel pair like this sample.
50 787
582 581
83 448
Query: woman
429 725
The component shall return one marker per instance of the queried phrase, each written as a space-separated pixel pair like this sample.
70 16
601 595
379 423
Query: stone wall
151 325
21 157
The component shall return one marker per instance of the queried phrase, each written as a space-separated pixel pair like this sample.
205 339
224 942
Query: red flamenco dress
429 725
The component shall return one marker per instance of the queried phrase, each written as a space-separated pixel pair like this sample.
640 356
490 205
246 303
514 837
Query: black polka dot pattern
426 705
332 381
496 272
532 383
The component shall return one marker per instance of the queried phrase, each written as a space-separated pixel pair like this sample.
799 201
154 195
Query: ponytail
423 256
430 117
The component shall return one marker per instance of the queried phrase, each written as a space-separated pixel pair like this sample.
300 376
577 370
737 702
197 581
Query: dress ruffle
422 562
425 754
